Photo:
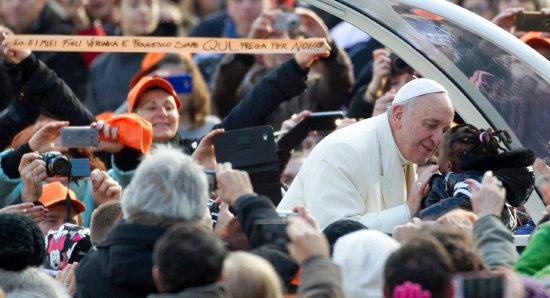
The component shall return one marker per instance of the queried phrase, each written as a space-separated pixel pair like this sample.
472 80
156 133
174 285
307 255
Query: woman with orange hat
154 100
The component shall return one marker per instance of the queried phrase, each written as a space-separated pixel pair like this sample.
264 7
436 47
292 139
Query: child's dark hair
467 140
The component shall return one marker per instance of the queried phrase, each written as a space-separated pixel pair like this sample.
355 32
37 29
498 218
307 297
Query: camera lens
293 22
399 65
60 166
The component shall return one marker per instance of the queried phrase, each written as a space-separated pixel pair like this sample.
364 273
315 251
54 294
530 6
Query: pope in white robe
366 171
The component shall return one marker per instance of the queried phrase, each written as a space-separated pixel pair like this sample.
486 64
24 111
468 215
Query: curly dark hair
467 140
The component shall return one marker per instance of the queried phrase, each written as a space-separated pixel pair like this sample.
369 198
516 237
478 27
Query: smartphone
181 82
324 120
79 136
212 182
478 284
269 231
532 21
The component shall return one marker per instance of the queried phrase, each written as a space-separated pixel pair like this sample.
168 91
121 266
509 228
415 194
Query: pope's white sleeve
386 220
332 190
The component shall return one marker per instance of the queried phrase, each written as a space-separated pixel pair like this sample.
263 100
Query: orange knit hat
55 192
147 83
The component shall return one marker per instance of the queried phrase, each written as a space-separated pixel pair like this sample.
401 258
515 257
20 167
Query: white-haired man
366 170
168 187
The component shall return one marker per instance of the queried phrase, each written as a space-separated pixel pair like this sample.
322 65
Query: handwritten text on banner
67 43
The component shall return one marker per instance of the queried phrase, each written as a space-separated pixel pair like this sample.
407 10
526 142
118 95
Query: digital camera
287 21
59 165
398 65
56 164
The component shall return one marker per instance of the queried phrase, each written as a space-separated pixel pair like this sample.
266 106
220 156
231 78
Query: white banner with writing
69 43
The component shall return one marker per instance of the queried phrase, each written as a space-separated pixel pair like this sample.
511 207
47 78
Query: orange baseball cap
147 83
151 60
55 192
533 38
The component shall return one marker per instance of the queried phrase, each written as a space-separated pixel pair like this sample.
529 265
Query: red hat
147 83
133 131
55 192
535 39
151 60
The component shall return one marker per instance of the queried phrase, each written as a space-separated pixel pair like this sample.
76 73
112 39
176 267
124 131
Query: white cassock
356 173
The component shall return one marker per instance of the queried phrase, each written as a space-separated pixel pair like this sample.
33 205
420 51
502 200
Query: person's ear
448 166
156 279
397 116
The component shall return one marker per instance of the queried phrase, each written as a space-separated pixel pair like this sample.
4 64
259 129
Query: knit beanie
21 242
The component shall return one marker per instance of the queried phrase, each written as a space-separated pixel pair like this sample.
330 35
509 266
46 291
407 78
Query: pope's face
419 133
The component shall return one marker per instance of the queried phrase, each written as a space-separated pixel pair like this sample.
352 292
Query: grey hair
166 185
408 105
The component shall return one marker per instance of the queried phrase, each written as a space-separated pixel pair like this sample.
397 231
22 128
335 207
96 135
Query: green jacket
535 260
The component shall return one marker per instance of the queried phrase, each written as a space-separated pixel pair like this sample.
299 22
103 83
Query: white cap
417 87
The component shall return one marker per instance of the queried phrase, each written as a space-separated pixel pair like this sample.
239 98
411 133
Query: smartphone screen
478 284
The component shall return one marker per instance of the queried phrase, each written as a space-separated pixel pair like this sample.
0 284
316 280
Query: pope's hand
419 189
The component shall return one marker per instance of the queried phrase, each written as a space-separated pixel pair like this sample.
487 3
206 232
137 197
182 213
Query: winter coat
451 192
495 242
69 66
320 278
237 74
121 265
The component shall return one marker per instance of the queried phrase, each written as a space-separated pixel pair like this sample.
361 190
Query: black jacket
251 208
68 65
121 265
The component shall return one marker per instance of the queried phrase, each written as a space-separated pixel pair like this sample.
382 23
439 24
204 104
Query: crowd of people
395 197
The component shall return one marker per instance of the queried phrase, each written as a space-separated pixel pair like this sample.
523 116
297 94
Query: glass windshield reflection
519 95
